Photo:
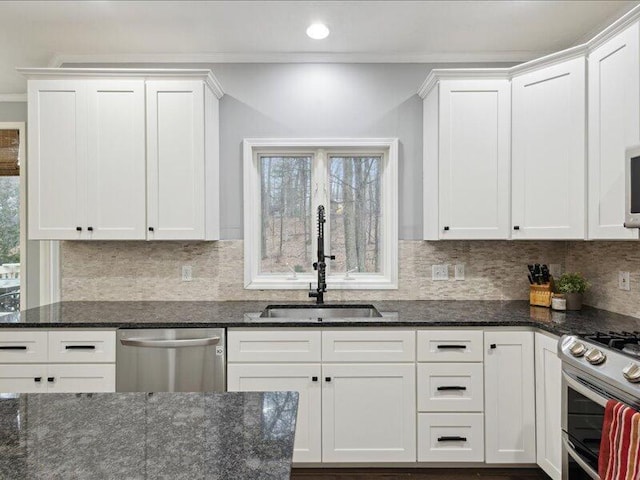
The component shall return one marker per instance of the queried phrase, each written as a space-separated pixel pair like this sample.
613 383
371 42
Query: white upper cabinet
467 159
105 165
115 176
57 148
614 124
177 161
548 152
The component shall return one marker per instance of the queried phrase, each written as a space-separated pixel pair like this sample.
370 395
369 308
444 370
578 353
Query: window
10 238
356 182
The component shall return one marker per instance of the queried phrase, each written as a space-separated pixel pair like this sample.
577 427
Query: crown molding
178 73
439 74
60 59
574 52
13 97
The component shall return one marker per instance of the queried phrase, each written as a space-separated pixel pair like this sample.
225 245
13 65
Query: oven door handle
584 390
584 465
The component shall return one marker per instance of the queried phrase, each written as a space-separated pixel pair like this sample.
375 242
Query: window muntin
379 186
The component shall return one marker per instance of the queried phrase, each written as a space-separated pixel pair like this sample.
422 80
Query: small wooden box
540 295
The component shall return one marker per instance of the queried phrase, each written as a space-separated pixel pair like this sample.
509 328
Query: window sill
337 282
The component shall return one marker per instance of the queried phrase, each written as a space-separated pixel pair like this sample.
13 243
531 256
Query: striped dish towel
619 457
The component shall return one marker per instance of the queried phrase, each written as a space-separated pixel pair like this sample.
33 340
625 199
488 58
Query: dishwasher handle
187 342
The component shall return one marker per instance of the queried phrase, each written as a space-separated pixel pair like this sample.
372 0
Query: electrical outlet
440 272
459 271
623 281
555 270
187 274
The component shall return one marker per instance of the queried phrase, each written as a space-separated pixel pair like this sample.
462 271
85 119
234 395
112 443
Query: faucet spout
320 266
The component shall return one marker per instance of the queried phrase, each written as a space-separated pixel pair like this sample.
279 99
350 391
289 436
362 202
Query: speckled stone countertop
139 435
430 313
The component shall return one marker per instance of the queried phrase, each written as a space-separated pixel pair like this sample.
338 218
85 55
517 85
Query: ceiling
48 33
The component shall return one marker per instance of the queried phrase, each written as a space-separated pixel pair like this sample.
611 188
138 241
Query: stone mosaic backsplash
494 270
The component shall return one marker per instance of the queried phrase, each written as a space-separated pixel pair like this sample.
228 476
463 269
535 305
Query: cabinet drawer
450 437
450 387
23 347
23 378
81 378
368 346
82 346
259 345
450 346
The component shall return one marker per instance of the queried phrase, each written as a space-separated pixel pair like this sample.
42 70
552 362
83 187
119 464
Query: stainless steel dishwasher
171 360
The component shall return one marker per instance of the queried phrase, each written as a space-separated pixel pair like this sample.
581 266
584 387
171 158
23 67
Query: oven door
582 416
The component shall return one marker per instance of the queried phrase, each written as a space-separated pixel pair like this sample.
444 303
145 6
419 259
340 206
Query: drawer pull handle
452 439
50 379
13 347
314 379
449 347
493 345
37 379
80 347
327 379
451 387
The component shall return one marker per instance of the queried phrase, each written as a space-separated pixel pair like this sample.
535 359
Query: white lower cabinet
301 378
548 405
510 435
368 413
450 437
69 361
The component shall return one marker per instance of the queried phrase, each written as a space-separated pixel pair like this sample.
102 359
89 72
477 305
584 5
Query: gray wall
319 100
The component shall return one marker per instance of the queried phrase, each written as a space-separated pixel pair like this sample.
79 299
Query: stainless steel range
595 368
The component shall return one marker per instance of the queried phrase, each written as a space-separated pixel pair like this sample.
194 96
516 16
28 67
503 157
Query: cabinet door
548 405
548 152
81 378
175 160
23 378
301 378
614 124
510 435
474 165
57 149
116 160
368 413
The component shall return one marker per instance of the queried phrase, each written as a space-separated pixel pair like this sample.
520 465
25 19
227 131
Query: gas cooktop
626 342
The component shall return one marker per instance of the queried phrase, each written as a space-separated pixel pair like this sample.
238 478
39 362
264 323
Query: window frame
320 150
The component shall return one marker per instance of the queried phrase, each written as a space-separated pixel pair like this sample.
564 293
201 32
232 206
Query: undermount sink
320 311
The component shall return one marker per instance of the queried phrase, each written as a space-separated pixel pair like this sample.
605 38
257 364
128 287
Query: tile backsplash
600 263
494 270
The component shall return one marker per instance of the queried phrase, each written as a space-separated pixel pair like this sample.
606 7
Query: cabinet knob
90 229
516 227
446 229
151 229
37 379
50 379
314 379
78 229
327 379
493 345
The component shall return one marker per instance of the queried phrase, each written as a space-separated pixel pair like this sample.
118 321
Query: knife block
540 295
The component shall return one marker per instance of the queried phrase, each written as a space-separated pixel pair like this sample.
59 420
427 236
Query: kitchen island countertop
420 313
144 436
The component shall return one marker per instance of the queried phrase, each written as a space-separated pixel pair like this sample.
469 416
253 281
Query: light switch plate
459 271
555 270
440 272
623 281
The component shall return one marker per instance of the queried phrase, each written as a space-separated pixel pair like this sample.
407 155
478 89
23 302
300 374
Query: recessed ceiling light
318 31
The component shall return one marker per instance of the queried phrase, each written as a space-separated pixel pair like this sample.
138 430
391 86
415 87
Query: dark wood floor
418 474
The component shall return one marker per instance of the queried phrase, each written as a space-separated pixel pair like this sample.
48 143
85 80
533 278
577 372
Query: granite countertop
421 313
140 435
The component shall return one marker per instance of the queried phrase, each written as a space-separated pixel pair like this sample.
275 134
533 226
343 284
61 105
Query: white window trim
253 280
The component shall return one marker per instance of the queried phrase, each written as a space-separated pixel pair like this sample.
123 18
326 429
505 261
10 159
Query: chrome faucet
320 265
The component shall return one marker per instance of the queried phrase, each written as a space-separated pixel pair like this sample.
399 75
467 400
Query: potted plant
572 285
